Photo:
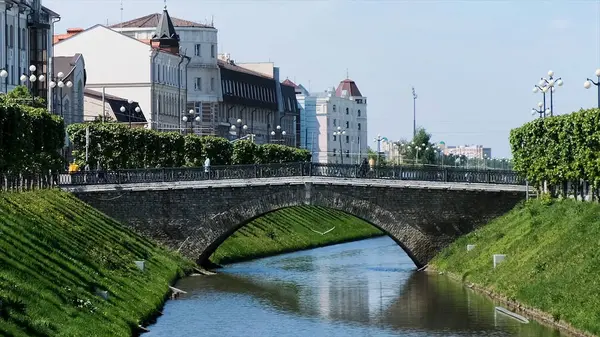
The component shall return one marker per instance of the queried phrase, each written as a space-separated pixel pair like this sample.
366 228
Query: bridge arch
196 218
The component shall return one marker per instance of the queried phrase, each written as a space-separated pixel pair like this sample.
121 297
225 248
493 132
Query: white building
199 42
26 29
469 151
335 110
151 73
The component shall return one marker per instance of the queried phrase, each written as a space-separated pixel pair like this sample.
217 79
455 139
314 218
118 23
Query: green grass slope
288 230
553 259
55 251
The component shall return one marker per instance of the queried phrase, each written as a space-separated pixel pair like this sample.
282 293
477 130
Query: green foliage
290 229
57 251
21 96
552 259
426 153
558 149
118 146
30 138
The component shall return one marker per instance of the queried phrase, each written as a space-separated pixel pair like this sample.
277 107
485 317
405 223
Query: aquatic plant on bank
552 259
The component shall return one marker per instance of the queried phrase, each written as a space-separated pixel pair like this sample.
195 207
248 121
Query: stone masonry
196 217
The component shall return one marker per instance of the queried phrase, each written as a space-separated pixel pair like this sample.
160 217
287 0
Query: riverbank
551 267
68 270
292 229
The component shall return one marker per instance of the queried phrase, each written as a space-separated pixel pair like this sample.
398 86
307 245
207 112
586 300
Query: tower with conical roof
166 37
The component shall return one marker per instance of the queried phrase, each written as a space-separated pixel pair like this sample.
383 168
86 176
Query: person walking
207 168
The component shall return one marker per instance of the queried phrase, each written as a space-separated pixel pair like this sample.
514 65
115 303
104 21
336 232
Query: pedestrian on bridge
207 168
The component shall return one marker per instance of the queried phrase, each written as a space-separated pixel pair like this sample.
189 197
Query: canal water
364 288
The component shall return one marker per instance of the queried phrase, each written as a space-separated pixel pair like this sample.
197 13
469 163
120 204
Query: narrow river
363 288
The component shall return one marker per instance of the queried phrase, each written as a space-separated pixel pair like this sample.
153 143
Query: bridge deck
295 181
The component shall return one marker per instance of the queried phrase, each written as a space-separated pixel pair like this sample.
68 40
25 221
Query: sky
473 63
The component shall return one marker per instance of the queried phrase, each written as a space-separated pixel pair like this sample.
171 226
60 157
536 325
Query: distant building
253 94
25 41
151 72
98 106
198 42
469 151
322 113
68 99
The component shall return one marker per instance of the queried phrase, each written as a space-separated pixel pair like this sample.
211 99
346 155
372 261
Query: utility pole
414 111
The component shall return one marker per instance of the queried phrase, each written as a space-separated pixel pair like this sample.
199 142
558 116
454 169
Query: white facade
322 114
132 69
16 41
203 79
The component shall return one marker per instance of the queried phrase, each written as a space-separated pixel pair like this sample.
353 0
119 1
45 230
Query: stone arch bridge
197 216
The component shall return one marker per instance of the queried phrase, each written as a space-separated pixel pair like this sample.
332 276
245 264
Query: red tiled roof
227 65
289 83
350 88
151 21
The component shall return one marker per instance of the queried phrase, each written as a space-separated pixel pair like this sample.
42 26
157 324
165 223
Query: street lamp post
540 110
414 111
4 78
128 109
282 133
189 117
551 83
32 79
339 133
589 82
239 128
378 140
58 82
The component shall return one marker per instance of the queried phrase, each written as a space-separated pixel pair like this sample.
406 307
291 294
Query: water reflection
366 288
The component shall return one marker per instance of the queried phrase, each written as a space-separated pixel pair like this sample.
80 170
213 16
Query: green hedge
559 149
30 139
120 147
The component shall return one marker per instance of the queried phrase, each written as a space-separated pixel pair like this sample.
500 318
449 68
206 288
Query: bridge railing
416 173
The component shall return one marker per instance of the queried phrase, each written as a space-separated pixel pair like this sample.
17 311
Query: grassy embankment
289 230
56 251
552 265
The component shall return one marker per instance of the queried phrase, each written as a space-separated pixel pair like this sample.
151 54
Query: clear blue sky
473 63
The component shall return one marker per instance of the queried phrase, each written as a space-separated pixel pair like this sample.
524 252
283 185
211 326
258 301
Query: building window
11 37
334 138
212 50
358 126
347 153
334 108
198 49
347 139
347 125
198 84
334 152
358 112
334 121
347 111
212 84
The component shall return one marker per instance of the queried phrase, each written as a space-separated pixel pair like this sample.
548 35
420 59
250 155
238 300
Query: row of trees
559 149
30 137
117 146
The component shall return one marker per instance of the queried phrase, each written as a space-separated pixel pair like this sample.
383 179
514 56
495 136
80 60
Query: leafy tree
21 96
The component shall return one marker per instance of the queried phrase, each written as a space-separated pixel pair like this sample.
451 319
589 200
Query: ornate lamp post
128 109
4 78
239 128
378 139
189 117
552 83
589 82
58 82
281 132
540 110
32 79
339 133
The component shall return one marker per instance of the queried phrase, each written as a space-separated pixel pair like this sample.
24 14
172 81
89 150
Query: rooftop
152 20
347 88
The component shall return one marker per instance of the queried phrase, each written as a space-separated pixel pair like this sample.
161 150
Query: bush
559 149
118 146
30 138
